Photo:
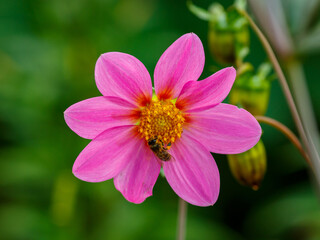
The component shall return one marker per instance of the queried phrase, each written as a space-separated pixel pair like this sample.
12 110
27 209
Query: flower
184 113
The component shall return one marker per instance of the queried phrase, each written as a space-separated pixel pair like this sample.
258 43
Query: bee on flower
184 118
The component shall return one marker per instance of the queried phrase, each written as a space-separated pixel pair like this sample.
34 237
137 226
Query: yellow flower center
161 120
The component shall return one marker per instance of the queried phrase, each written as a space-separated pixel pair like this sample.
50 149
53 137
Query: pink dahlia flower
132 128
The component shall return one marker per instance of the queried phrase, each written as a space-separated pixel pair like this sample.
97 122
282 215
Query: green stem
305 136
182 218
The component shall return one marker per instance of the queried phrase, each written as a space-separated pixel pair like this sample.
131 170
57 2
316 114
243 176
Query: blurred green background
48 51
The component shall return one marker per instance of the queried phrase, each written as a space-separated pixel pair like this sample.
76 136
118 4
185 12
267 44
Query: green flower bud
228 34
252 90
249 167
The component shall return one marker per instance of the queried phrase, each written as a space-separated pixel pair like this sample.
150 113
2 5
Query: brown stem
182 218
287 132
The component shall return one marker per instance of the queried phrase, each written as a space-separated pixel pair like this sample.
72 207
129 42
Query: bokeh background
48 51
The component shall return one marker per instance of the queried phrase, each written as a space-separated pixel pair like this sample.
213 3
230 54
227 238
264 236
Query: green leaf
199 12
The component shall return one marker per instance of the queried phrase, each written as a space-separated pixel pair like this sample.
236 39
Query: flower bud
252 90
228 35
249 167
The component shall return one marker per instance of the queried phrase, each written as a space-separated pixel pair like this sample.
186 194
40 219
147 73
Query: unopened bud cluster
229 38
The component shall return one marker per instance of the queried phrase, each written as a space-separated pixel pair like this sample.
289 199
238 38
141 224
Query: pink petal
107 154
137 179
181 62
224 129
192 172
92 116
208 92
122 75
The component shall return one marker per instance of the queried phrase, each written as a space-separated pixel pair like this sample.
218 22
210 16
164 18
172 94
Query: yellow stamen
161 120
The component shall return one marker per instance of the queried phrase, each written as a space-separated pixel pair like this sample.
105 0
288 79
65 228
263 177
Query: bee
159 150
